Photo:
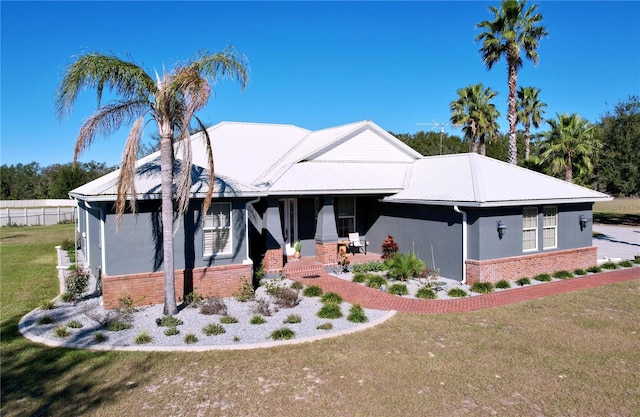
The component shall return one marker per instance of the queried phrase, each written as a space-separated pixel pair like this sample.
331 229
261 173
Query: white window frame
546 226
217 227
350 216
528 213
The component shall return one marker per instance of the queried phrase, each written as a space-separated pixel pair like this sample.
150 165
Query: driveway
617 242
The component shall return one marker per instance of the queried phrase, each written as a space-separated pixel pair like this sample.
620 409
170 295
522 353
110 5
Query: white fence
34 212
38 203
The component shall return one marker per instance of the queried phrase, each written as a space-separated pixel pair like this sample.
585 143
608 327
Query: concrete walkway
616 242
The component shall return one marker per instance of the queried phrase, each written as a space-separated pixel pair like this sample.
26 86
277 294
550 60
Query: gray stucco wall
136 246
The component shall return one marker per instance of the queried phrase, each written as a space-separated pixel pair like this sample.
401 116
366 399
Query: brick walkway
370 298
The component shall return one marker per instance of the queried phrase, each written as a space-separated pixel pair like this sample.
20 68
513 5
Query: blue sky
313 64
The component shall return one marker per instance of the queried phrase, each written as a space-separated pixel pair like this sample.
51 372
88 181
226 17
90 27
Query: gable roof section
478 181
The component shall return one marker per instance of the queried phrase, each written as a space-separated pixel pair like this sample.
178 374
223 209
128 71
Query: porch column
273 262
326 233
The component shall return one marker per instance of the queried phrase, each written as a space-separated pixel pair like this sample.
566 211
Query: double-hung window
217 230
549 227
529 229
346 215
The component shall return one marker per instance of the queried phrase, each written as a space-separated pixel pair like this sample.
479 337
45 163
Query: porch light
502 228
583 222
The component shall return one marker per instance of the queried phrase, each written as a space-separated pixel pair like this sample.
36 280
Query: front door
289 221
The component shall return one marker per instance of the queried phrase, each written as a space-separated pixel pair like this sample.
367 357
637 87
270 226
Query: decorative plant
406 266
297 246
389 247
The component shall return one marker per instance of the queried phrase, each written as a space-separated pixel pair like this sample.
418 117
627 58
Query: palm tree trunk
527 139
511 116
166 172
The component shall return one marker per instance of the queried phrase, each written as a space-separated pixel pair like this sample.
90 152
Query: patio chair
356 243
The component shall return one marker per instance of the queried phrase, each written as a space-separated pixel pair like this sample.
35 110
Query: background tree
530 111
618 166
514 29
428 143
476 114
569 147
171 100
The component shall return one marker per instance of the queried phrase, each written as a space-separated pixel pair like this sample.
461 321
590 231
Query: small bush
356 314
66 297
172 331
68 245
312 291
610 265
245 291
190 338
292 319
213 305
142 338
543 277
214 329
236 338
626 263
523 281
169 321
594 269
503 284
286 297
562 274
62 332
482 287
47 305
295 285
331 297
257 319
330 311
100 337
389 247
372 266
376 281
283 333
398 289
636 259
457 292
46 319
262 307
579 271
426 293
76 283
194 299
359 277
228 320
74 324
406 266
117 325
125 305
325 326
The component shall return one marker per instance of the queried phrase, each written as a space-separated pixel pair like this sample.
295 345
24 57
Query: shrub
213 305
76 283
457 292
372 266
482 287
579 271
636 259
283 333
245 291
359 277
325 326
356 314
66 297
236 338
47 305
312 291
331 297
68 245
594 269
610 265
62 332
257 319
262 307
406 266
523 281
126 305
426 293
292 319
626 263
503 284
46 319
562 274
214 329
376 281
398 289
117 324
330 311
194 299
74 324
99 337
543 277
169 321
142 338
228 320
389 247
286 297
172 331
295 285
190 338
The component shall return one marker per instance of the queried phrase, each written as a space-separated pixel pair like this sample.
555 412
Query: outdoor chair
356 243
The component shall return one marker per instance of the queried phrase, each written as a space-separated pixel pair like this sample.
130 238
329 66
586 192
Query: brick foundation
327 253
148 288
273 261
493 270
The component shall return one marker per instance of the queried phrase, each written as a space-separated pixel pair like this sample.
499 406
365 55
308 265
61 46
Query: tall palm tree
530 111
569 146
513 30
171 100
476 114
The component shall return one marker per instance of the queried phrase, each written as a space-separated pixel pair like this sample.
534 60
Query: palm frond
126 183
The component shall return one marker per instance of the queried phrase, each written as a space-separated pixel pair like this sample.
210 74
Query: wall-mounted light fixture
502 228
583 222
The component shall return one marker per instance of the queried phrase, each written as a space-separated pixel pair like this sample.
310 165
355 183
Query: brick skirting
327 253
148 288
273 261
493 270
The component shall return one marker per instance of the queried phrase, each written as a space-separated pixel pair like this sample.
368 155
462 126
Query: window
549 227
217 229
529 229
346 215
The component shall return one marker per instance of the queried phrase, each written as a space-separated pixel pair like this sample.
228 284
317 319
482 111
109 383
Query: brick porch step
306 267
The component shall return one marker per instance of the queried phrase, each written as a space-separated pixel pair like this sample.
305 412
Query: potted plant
297 247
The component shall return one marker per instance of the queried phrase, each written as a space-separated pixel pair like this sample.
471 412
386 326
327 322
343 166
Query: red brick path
370 298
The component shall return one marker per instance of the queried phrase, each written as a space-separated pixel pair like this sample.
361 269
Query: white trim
525 229
206 229
103 247
464 243
554 227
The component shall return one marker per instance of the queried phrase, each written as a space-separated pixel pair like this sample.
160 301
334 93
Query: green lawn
570 355
625 211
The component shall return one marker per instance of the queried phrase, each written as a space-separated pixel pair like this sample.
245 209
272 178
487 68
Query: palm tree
530 111
171 100
569 146
476 114
513 30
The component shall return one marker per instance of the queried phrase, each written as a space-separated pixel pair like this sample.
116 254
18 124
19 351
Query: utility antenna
442 126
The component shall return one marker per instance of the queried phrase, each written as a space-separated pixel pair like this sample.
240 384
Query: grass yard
624 211
570 355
